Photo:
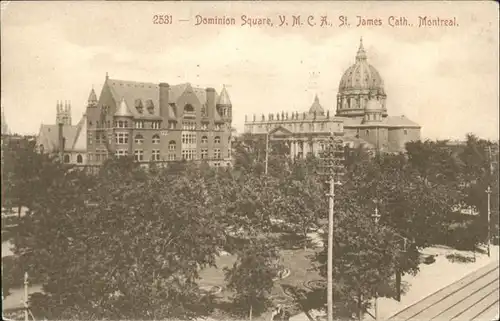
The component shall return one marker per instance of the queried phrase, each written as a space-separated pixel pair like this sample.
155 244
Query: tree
365 258
128 246
251 276
25 173
301 203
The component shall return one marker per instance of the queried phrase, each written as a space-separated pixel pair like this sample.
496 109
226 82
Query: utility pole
488 241
332 167
376 217
26 315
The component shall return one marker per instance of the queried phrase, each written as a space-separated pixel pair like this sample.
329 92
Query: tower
63 113
224 106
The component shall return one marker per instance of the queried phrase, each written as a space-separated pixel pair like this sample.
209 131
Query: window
218 127
189 125
204 139
367 132
217 153
139 124
139 139
322 126
188 109
121 153
121 138
189 154
204 126
171 156
108 123
121 124
66 158
217 140
79 159
156 139
139 155
155 125
204 153
189 138
405 132
89 136
171 145
155 155
171 125
216 164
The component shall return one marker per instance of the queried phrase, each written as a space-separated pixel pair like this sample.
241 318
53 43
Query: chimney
60 137
164 102
211 102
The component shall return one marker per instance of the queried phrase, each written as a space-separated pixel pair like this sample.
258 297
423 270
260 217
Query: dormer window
139 106
150 106
189 109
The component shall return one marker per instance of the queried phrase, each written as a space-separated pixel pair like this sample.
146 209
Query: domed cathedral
158 122
361 118
361 104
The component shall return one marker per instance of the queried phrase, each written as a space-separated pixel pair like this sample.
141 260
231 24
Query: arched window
204 139
156 139
217 140
171 145
66 158
79 159
189 109
139 139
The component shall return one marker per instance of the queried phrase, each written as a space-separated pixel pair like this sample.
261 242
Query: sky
444 78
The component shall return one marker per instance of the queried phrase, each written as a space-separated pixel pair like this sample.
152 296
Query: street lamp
332 163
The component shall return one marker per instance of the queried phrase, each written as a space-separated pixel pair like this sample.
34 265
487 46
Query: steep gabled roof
75 137
130 91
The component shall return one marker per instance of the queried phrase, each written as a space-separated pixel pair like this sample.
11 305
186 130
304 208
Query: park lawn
297 261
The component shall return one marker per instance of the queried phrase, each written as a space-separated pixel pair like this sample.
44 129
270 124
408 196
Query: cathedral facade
159 123
361 117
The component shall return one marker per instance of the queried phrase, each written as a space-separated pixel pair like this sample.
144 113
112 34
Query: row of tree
130 242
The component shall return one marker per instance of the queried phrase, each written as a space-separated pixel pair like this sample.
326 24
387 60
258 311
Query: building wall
76 158
398 137
166 135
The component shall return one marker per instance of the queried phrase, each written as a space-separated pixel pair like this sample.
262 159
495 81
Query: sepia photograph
250 160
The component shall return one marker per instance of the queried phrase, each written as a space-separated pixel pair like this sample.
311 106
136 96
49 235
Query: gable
280 131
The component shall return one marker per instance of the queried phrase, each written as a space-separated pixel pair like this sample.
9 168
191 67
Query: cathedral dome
361 76
360 83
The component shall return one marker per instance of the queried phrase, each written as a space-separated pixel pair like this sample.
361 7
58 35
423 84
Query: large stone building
159 122
361 116
63 138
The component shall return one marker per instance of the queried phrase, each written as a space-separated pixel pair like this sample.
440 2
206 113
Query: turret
224 105
92 100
